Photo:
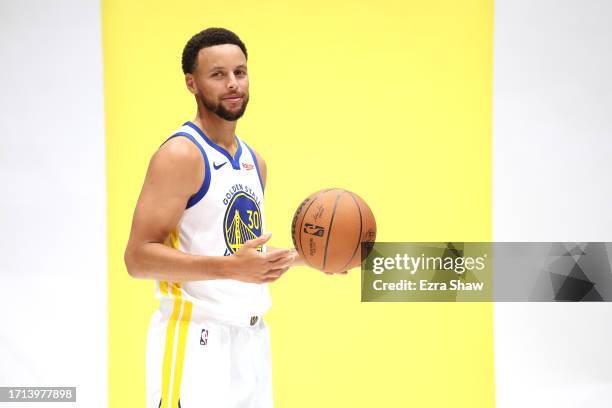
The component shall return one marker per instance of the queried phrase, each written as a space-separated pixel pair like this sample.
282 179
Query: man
198 230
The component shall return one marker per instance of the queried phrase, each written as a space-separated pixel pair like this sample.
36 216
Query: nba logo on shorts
204 337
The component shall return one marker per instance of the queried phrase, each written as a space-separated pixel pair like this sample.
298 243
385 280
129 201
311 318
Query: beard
219 110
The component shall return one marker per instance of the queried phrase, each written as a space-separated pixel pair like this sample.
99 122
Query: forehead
224 55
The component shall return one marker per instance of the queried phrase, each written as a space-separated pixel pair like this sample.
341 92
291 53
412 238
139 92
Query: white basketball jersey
226 211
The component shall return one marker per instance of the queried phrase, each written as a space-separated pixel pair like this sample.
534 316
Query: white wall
552 159
53 329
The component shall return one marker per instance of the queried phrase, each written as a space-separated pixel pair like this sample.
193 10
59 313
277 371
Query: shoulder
179 152
179 147
179 159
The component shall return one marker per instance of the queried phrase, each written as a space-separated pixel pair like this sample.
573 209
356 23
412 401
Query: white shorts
196 361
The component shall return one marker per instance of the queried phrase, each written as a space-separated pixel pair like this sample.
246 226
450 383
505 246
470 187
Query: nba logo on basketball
204 337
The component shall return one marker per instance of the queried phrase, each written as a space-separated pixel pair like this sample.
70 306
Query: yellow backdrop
390 99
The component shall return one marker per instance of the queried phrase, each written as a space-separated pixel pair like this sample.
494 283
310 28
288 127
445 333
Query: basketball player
198 231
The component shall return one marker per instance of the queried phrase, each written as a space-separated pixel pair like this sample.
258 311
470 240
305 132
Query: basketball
328 228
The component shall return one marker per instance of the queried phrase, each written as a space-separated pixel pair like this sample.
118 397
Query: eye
217 74
240 72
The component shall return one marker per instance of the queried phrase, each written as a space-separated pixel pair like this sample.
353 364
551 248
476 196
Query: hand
299 261
250 265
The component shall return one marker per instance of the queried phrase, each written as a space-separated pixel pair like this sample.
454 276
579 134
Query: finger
273 277
255 242
292 251
277 271
279 254
284 262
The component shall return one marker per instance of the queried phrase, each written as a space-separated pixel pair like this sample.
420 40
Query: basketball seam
295 219
331 221
302 223
358 236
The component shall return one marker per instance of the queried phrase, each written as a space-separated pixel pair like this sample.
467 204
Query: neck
218 130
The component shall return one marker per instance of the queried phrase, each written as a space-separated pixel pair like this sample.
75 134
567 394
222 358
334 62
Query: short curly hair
208 38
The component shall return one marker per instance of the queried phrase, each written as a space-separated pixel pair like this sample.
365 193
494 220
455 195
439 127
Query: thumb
255 242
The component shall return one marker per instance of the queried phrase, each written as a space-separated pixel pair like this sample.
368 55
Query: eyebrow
220 67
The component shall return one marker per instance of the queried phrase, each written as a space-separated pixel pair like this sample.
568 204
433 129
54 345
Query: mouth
232 98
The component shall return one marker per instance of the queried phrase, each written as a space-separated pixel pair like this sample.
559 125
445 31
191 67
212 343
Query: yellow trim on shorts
172 369
168 352
180 352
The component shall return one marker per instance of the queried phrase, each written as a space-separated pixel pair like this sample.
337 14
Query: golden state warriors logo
243 221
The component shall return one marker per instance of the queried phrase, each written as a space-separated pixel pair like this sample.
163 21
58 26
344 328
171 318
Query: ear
190 83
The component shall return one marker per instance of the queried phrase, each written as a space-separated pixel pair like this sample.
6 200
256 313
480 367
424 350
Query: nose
232 82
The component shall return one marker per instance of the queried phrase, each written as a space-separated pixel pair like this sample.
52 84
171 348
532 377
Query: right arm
175 173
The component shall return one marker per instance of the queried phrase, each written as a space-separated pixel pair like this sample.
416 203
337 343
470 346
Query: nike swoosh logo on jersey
218 166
